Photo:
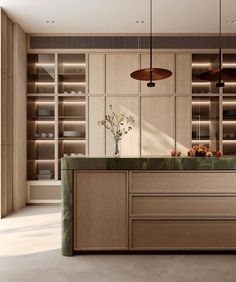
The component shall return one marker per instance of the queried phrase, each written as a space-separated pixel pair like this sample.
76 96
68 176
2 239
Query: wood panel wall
12 116
19 118
6 115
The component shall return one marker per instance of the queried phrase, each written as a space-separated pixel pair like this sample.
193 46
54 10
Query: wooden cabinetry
157 125
96 133
183 125
101 211
96 73
183 73
118 70
163 210
182 210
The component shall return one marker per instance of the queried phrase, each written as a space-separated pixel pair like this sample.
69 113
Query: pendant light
150 74
219 74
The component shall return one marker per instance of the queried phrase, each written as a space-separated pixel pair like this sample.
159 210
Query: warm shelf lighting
229 141
229 103
229 122
44 102
201 121
74 141
201 103
45 64
230 83
45 161
201 83
200 65
73 83
73 121
45 121
229 64
74 102
201 141
74 64
44 83
44 141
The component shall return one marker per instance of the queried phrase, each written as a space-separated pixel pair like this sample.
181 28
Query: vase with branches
118 125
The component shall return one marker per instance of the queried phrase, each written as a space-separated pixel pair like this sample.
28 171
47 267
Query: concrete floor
30 252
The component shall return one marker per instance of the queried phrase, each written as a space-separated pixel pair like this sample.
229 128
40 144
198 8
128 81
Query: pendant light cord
150 40
220 53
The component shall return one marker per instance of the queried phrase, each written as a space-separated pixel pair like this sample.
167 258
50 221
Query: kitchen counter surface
148 163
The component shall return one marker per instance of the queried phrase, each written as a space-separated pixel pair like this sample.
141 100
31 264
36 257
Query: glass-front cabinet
213 109
205 121
56 118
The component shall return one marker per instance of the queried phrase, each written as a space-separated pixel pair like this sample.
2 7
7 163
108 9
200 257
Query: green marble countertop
148 163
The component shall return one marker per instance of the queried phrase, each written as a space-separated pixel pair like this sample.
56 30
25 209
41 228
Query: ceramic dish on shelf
71 133
44 171
45 112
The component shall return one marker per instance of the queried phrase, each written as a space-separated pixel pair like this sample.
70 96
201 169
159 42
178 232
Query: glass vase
117 151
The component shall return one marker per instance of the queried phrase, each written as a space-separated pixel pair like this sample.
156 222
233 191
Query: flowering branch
118 124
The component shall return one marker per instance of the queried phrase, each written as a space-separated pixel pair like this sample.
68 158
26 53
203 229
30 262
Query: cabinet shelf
72 138
41 139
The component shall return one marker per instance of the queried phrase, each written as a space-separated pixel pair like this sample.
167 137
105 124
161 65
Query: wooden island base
146 210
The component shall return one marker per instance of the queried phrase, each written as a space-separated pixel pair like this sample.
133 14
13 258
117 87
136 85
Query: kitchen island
154 203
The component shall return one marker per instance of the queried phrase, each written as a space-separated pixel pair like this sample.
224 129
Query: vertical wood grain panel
183 73
96 73
96 133
101 211
183 124
157 125
6 116
130 144
118 70
160 60
19 118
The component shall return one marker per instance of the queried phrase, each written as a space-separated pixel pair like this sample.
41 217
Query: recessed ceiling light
139 22
50 22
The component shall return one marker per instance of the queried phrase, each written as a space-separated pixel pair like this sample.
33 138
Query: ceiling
112 16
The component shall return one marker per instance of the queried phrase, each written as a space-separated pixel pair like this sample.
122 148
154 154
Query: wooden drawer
183 182
182 206
186 234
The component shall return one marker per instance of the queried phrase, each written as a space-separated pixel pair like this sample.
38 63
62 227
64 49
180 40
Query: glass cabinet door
202 63
41 73
205 121
229 126
229 61
71 73
41 138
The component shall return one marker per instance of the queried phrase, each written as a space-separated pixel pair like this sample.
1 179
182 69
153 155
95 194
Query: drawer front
183 182
188 234
182 206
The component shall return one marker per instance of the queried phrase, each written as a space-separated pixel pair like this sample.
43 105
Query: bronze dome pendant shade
150 74
219 74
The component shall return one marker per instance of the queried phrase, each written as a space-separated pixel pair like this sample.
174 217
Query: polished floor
30 252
